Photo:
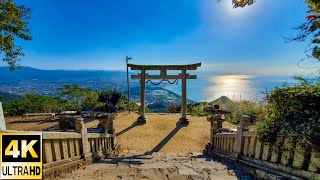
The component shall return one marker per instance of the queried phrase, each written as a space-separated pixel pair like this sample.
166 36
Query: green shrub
254 110
90 100
33 103
245 107
123 104
174 109
293 111
198 109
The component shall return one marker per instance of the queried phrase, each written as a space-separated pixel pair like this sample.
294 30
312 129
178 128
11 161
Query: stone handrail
65 151
244 148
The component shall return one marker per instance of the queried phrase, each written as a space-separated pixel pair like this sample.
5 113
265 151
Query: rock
187 171
67 122
179 177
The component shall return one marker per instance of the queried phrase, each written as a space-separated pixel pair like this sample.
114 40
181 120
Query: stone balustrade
244 149
63 152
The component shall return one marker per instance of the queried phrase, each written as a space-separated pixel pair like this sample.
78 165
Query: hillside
4 97
198 108
222 99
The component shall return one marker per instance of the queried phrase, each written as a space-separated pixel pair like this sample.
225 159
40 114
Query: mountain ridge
29 73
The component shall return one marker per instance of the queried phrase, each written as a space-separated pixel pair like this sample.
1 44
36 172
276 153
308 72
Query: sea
236 87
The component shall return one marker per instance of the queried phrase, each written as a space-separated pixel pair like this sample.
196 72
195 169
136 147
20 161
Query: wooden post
183 119
80 128
240 139
142 118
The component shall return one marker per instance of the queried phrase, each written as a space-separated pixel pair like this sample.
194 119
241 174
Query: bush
75 98
174 109
198 109
33 103
91 100
245 107
114 100
123 104
110 97
293 111
13 108
242 107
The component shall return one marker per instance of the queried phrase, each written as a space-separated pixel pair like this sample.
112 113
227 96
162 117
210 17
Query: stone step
168 166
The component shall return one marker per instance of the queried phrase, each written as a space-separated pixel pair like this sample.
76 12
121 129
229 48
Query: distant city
44 82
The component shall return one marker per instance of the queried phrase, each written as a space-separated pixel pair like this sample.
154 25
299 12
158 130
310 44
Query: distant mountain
27 73
4 97
46 82
222 99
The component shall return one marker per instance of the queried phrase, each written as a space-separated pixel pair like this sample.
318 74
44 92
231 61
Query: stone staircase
175 166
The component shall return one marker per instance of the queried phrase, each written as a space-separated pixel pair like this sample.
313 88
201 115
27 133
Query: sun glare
233 86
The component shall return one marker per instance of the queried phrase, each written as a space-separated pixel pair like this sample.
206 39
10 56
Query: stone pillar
80 128
214 130
107 124
244 122
183 119
142 118
2 121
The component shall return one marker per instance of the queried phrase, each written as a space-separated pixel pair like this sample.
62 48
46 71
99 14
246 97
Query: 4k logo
21 155
12 149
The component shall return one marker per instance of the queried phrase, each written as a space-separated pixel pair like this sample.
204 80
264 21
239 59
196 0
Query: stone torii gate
163 76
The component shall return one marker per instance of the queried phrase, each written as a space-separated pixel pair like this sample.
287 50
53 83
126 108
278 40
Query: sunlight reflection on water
233 86
236 87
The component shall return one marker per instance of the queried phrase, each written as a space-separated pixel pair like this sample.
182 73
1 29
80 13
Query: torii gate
163 76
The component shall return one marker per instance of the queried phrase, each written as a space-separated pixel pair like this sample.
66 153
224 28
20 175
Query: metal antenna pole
127 61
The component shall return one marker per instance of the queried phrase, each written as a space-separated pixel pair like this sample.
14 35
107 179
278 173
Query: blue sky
98 34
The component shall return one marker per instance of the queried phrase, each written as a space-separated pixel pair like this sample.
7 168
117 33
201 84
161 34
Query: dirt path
159 134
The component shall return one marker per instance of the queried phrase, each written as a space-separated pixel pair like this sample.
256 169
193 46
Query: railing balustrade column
80 128
244 122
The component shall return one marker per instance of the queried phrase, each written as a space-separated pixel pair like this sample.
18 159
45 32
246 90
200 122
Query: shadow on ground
158 147
39 121
128 128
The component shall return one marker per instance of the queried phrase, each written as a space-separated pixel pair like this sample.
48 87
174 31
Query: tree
110 97
310 30
90 100
73 94
13 25
242 3
293 111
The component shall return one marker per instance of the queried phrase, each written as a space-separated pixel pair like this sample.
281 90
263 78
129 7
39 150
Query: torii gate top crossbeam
164 67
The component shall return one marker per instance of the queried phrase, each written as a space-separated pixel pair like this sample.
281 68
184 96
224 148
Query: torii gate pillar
183 118
142 118
163 76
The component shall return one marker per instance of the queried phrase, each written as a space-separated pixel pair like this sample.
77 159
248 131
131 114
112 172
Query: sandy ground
36 123
159 134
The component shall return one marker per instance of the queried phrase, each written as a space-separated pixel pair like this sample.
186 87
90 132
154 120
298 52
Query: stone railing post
2 121
214 130
244 122
107 124
80 128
